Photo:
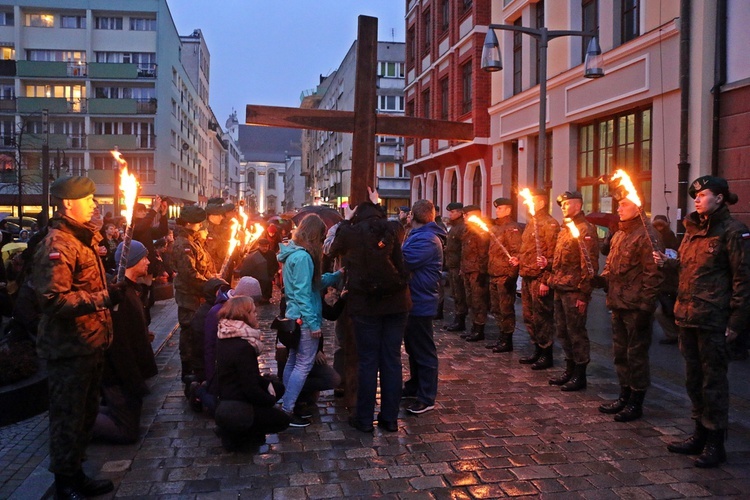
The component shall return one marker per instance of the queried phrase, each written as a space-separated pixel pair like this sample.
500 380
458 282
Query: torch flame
573 229
118 157
627 184
233 240
528 200
479 222
128 186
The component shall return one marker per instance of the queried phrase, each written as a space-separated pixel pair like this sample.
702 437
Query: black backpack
372 270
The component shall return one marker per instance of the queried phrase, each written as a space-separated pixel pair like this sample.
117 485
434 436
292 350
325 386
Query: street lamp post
491 61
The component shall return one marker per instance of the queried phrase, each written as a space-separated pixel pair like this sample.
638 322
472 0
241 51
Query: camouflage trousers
458 292
631 340
502 302
74 385
188 340
538 313
476 296
570 325
706 361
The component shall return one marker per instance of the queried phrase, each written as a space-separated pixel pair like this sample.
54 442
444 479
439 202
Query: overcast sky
269 51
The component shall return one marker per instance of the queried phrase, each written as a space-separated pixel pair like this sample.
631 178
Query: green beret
215 201
569 195
72 188
454 205
499 202
471 208
717 185
214 210
193 214
228 207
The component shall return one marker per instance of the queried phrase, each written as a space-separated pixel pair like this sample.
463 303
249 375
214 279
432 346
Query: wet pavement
498 430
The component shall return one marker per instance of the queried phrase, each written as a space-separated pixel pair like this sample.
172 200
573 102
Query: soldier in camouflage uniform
536 270
218 227
453 264
633 281
194 268
506 233
75 329
572 283
475 245
713 307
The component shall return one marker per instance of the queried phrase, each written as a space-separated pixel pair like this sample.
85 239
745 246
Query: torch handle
586 259
536 238
123 264
651 237
500 244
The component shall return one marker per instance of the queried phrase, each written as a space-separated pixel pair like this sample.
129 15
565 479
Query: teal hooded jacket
303 299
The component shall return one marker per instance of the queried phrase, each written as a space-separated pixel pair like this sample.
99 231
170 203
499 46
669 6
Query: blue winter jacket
303 299
423 256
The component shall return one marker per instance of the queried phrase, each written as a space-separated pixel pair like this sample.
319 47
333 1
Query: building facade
444 40
86 78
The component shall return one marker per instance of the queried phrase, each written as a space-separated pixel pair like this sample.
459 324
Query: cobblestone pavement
498 430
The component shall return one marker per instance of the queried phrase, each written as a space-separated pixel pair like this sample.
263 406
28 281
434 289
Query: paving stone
427 482
324 491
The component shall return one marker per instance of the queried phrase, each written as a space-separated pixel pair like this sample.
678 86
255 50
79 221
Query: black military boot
505 344
92 487
577 381
561 379
477 335
618 404
713 453
634 409
458 325
469 333
694 444
528 360
439 314
545 360
66 488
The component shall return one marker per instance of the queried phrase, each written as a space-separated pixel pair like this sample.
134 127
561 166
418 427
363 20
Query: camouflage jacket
70 283
453 245
632 275
475 249
507 232
548 229
217 242
569 270
714 288
193 265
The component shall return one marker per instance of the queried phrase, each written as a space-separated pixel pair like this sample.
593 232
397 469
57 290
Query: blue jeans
379 349
298 366
423 359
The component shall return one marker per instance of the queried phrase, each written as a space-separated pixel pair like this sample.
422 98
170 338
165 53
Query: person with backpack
378 302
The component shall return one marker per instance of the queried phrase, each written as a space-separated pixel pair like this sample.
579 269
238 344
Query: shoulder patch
187 249
54 256
587 238
746 236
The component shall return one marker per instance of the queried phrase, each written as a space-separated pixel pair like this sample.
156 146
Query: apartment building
327 159
444 81
84 77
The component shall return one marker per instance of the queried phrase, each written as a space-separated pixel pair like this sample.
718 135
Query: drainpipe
720 78
683 167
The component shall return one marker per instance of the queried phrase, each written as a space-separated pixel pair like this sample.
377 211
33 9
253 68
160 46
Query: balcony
121 70
7 67
108 142
8 105
122 106
58 105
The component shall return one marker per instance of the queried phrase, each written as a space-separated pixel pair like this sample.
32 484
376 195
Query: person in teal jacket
303 284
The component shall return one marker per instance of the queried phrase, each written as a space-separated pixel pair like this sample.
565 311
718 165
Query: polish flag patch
54 256
187 250
746 236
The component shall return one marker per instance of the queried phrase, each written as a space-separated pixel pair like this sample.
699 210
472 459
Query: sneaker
302 410
419 407
295 421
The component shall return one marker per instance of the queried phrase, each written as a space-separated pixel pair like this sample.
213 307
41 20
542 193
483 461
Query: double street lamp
491 61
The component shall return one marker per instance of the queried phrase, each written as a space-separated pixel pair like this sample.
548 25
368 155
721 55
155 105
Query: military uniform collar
80 231
702 224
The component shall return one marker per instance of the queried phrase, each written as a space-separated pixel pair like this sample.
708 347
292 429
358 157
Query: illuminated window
40 20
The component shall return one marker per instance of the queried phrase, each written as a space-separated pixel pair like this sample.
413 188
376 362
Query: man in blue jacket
423 257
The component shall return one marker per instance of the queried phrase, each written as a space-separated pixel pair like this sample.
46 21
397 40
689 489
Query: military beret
471 208
660 218
403 209
215 201
214 210
228 207
193 214
136 253
72 188
499 202
454 206
569 195
717 185
538 191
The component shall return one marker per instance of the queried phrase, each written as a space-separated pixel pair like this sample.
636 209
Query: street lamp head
491 52
594 64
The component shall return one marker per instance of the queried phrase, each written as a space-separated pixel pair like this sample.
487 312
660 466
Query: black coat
239 375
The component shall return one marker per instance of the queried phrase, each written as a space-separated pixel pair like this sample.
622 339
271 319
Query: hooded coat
423 257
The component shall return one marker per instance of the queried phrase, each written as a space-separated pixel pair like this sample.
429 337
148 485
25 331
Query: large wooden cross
363 122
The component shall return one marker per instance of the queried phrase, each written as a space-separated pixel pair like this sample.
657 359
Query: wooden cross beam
364 122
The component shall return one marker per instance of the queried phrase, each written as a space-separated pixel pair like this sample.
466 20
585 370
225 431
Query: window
390 103
476 187
539 15
142 24
465 5
40 20
445 15
444 99
6 19
7 91
434 191
109 23
467 88
454 187
271 179
7 53
517 58
629 17
58 91
57 55
426 112
73 22
411 47
620 141
387 69
251 179
427 31
589 22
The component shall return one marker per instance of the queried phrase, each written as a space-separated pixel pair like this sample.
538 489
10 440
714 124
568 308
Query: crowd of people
382 282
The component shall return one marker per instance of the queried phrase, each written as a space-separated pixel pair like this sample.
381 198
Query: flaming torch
233 242
528 200
130 188
481 225
625 184
584 251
